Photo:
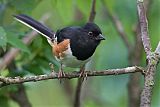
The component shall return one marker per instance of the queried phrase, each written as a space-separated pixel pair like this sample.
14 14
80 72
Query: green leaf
13 40
3 39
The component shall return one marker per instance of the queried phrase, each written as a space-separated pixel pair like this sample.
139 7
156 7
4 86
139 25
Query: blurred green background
34 59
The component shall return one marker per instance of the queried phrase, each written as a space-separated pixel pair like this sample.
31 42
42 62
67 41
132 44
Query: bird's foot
60 75
83 75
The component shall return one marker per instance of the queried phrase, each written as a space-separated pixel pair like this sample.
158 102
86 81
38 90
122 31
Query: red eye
90 33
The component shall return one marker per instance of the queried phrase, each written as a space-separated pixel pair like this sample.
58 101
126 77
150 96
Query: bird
72 46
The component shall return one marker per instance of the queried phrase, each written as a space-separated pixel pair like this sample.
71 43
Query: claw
61 74
83 74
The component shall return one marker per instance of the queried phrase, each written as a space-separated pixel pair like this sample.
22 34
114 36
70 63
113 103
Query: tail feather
35 25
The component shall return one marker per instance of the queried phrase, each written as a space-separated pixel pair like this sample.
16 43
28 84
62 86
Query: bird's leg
83 74
52 68
61 73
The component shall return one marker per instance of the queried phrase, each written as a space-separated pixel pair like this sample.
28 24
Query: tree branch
146 94
144 27
77 102
92 12
13 52
4 81
135 57
153 57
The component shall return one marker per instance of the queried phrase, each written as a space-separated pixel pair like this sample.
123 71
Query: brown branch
146 94
153 57
13 52
92 12
20 97
135 57
69 90
144 27
18 80
118 25
77 102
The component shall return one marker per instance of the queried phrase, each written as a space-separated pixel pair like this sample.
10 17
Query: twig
13 52
18 80
144 27
153 57
92 12
118 25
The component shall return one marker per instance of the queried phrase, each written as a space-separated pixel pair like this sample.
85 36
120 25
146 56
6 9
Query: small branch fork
152 57
4 81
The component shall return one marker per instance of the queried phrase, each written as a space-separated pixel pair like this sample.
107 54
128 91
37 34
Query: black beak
100 37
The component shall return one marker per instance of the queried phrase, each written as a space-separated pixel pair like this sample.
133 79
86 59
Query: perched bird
72 46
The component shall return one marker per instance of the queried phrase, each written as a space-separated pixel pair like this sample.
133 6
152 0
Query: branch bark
4 81
152 57
144 27
146 94
77 102
135 57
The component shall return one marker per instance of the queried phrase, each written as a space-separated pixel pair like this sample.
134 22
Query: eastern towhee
71 46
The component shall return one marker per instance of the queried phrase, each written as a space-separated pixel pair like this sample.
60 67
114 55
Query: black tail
35 25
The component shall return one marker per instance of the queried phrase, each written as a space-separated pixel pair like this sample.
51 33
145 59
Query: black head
94 32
